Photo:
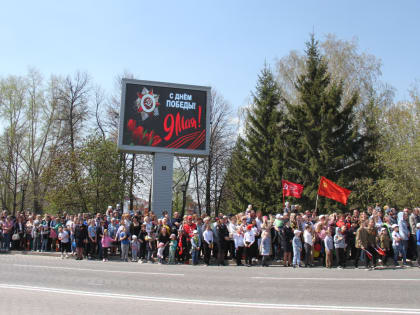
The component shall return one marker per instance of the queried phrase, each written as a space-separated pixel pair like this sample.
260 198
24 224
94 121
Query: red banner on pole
292 189
331 190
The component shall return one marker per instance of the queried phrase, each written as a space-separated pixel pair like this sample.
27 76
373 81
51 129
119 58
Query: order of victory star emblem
147 104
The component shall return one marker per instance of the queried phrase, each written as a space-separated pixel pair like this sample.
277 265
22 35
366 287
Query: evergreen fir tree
235 195
328 142
264 165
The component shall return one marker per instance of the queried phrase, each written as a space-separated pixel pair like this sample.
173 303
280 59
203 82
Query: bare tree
40 113
74 93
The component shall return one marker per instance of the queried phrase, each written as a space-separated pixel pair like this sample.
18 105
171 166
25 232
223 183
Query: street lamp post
184 198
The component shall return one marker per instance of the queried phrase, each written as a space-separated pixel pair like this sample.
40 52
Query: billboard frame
150 149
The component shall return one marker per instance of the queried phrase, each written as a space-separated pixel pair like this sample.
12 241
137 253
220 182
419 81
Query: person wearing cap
297 248
173 244
397 245
195 247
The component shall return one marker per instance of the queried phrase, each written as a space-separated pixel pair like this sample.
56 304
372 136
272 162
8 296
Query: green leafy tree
97 162
399 154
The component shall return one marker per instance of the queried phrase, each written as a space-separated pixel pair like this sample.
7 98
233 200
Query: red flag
368 254
380 251
292 189
331 190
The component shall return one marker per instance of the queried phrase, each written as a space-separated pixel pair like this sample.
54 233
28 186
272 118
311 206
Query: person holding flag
291 189
361 244
372 236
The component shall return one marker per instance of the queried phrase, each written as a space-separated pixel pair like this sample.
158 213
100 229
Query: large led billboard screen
164 117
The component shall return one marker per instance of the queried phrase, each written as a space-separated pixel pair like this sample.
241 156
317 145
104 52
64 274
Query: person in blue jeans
297 249
195 247
404 232
45 233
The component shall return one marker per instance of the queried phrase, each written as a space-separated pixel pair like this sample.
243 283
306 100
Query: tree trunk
208 186
197 187
132 182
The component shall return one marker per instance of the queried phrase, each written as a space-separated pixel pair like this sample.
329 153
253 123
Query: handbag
15 237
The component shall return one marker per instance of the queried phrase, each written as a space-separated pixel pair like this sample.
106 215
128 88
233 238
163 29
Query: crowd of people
294 237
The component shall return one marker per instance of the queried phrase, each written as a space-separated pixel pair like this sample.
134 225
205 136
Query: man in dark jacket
222 238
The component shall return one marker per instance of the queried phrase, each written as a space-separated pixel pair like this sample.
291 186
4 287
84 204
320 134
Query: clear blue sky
219 43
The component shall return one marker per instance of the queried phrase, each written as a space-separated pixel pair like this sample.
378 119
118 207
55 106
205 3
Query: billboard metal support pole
162 183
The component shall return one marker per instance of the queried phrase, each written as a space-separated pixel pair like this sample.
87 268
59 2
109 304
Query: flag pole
283 198
282 190
316 202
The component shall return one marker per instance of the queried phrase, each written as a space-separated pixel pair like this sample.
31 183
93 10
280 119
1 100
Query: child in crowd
36 237
195 247
238 239
106 244
265 248
329 247
173 244
149 248
125 243
135 247
308 243
297 248
161 249
340 245
143 242
64 238
397 245
249 239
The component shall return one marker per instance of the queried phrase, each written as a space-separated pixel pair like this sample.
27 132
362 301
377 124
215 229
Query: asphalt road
49 285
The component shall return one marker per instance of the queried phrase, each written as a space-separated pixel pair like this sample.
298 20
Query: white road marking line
216 303
102 270
336 279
